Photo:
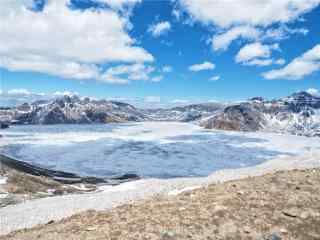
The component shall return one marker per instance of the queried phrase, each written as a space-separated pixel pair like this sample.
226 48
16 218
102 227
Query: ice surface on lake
151 149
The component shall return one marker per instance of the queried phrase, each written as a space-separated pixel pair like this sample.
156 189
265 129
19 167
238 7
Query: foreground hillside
283 205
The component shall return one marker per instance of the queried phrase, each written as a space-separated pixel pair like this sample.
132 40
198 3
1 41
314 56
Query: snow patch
3 180
179 191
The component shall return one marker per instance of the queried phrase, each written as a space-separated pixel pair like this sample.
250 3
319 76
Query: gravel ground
281 205
42 211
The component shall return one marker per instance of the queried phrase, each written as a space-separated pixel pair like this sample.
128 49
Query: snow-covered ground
149 149
292 152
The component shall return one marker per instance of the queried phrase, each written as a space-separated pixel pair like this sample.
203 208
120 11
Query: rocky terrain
297 114
21 181
282 205
72 109
188 113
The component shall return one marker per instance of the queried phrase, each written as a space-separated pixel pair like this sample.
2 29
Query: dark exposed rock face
242 117
297 114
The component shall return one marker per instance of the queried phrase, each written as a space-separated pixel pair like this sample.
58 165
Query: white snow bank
179 191
3 180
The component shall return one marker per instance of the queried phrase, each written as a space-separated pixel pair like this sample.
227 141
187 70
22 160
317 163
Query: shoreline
40 211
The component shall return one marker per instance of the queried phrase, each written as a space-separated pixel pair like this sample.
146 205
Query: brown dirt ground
283 205
22 187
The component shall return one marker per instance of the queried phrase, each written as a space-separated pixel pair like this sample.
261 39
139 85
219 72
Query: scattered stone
304 215
89 229
168 236
293 212
272 236
247 229
283 230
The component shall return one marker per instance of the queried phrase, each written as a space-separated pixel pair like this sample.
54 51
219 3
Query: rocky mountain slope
186 113
297 114
76 110
72 109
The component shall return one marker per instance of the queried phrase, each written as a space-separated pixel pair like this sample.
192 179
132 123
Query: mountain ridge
297 114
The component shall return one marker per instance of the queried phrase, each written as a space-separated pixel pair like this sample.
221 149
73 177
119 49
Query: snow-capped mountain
188 113
72 109
297 114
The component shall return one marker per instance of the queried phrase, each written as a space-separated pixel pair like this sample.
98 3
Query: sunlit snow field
150 149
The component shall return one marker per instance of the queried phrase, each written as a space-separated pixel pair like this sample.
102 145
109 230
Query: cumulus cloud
159 29
298 68
255 50
126 73
248 20
82 39
225 14
223 40
282 32
257 54
214 78
202 66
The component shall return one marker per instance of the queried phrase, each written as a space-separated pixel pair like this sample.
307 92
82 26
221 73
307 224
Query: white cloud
14 97
157 78
264 62
280 61
176 13
283 32
119 4
202 66
65 93
180 101
259 62
18 92
255 50
313 91
64 42
152 99
125 73
167 69
214 78
222 41
225 13
159 29
299 67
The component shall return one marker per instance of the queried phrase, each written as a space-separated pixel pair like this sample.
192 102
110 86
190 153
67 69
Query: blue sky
160 51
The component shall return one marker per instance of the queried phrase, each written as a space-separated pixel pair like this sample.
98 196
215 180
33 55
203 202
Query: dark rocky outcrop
242 117
297 114
61 176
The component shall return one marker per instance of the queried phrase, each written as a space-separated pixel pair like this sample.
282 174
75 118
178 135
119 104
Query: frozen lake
150 149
